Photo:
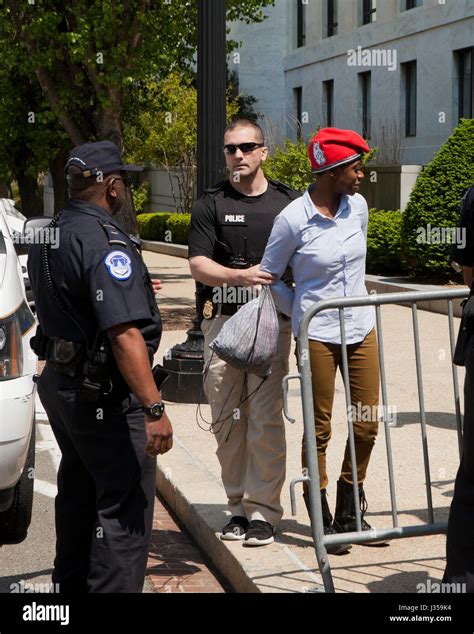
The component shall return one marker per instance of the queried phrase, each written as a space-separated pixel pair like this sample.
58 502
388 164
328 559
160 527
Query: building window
366 99
328 102
331 18
409 71
466 82
298 97
369 10
301 23
412 4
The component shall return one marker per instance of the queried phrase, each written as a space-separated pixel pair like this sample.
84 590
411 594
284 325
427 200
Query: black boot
334 549
345 515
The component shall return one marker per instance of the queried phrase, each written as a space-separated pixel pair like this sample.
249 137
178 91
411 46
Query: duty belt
66 357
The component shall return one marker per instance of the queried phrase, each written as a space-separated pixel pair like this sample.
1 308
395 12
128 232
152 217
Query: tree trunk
5 191
56 168
31 203
110 128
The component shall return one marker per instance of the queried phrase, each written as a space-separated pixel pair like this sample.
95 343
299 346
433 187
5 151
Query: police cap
96 157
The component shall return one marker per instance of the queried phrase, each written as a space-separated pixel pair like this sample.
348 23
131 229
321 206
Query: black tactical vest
244 223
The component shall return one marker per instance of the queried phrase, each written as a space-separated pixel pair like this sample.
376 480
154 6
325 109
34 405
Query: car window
3 246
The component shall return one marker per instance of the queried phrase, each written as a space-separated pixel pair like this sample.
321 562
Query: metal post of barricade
314 494
421 401
350 422
388 442
359 536
457 405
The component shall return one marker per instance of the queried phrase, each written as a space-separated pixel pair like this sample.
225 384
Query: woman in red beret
322 237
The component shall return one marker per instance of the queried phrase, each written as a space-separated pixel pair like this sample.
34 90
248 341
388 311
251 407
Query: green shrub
140 197
164 227
290 165
178 226
384 247
153 226
435 201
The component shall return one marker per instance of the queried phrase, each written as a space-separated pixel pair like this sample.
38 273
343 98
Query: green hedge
178 226
152 226
384 245
434 204
164 227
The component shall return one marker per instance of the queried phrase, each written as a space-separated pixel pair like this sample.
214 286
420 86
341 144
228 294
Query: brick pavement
175 563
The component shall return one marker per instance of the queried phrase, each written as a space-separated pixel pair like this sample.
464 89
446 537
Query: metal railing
321 541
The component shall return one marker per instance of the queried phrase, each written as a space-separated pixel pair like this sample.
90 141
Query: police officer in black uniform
230 226
460 544
99 328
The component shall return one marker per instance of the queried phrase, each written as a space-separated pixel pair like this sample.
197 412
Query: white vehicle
16 220
17 393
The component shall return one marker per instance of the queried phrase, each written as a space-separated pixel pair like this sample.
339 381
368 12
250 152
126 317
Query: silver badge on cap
318 154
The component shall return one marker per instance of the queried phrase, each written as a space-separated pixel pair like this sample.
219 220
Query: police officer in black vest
460 544
230 226
99 329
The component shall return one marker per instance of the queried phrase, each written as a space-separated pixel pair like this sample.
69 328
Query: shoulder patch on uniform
119 265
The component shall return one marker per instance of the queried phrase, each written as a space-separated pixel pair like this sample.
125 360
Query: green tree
435 201
87 55
161 129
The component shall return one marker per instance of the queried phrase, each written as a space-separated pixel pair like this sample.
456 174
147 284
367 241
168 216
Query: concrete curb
166 248
200 522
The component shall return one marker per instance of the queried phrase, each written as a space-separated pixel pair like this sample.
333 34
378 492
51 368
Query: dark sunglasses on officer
128 181
245 148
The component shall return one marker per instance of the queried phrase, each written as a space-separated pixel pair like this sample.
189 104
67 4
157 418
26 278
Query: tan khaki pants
363 365
251 445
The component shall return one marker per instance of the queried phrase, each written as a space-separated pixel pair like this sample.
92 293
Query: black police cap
96 157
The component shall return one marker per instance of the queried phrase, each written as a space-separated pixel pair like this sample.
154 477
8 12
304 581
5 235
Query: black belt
66 357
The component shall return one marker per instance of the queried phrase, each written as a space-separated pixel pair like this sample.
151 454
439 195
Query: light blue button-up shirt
327 258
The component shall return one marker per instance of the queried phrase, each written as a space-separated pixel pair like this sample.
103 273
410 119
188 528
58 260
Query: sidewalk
189 475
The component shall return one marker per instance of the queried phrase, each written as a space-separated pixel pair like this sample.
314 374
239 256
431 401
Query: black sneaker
235 529
259 533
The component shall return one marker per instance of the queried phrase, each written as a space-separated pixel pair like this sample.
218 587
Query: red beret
332 147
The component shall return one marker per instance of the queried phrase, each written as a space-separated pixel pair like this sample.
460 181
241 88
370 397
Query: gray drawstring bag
248 340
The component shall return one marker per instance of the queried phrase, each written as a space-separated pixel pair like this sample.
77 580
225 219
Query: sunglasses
245 148
127 180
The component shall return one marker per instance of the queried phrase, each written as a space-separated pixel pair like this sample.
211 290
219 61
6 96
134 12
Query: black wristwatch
156 410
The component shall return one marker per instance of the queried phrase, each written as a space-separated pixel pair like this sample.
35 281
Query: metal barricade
304 375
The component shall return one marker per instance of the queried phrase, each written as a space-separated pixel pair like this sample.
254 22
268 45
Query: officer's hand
159 435
254 276
157 285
